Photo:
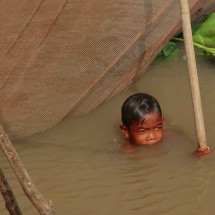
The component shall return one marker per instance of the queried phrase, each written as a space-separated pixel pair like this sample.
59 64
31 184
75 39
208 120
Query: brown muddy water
77 164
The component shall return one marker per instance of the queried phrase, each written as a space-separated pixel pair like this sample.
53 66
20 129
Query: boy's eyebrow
142 127
159 124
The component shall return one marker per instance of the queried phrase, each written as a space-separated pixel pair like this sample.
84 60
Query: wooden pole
31 191
10 201
193 76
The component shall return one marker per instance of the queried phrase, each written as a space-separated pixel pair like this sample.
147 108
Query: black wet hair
137 106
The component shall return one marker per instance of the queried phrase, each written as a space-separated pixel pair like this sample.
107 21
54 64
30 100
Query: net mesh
69 56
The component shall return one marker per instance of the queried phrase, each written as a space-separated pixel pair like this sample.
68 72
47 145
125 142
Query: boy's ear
124 130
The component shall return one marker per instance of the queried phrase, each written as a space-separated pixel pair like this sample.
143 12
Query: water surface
77 164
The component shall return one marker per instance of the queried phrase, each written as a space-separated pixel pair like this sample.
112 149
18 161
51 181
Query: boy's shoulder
127 148
170 133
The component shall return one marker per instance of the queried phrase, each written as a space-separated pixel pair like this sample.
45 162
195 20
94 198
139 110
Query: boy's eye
158 128
142 131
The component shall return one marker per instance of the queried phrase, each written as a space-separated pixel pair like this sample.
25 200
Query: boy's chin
148 143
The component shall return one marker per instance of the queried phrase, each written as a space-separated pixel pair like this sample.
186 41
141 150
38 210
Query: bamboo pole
193 76
9 198
31 191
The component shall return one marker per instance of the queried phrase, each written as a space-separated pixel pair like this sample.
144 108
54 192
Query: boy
142 121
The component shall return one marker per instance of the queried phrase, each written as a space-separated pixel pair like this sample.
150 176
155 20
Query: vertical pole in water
10 200
193 76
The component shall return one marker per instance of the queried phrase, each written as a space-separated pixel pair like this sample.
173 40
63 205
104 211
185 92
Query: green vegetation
203 40
169 51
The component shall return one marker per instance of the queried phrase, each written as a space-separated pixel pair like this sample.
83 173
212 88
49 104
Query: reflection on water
78 166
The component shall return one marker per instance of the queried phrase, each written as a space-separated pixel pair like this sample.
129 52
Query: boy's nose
151 136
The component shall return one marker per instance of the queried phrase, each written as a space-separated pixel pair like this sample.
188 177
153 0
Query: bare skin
147 132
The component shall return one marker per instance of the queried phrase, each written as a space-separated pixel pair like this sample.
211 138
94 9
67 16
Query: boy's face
149 132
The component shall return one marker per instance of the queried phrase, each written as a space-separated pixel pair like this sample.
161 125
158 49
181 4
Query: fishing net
69 56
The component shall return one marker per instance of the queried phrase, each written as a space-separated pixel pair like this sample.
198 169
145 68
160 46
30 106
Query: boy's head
142 119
